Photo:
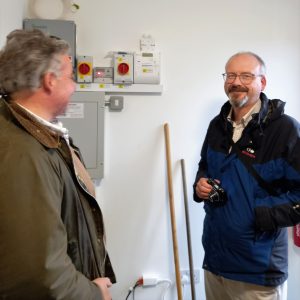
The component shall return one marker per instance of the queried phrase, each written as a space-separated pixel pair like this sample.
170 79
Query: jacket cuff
263 219
196 198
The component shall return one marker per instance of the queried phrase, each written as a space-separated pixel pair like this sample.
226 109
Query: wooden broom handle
172 212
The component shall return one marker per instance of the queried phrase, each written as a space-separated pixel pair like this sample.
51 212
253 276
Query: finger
202 192
203 186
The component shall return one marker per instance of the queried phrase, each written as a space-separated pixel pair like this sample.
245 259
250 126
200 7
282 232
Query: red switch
123 68
84 68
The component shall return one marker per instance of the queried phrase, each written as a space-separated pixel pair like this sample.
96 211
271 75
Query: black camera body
217 195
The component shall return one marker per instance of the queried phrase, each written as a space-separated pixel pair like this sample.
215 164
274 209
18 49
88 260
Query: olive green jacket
51 228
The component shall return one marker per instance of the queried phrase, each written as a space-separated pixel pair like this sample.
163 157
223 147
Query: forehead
242 63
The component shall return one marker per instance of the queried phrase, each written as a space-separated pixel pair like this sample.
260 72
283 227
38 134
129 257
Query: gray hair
258 58
27 57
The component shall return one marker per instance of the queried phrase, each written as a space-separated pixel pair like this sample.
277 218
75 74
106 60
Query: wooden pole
172 212
188 231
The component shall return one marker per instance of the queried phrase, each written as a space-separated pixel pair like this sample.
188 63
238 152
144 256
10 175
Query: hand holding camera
217 195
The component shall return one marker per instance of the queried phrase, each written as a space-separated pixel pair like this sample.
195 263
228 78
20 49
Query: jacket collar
254 131
270 110
39 131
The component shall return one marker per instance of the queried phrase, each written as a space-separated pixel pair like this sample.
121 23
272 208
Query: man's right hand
203 188
103 284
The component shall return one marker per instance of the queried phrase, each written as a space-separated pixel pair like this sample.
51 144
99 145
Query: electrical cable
140 282
183 291
131 289
169 283
184 282
129 292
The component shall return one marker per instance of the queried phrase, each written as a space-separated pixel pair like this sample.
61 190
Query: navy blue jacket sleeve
202 169
287 213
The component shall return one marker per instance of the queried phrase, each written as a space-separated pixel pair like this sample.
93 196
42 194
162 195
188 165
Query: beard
234 98
238 103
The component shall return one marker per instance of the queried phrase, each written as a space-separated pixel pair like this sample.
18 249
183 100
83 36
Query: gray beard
238 103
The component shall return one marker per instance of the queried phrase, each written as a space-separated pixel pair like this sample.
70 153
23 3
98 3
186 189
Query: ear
49 82
263 82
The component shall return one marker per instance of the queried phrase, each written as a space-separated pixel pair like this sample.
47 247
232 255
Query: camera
217 195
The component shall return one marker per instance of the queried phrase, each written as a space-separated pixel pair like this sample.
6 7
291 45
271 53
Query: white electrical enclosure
84 119
147 68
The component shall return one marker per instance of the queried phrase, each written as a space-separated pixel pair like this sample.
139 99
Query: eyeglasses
245 78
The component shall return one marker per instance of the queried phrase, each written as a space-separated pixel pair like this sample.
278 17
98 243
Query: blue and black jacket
246 239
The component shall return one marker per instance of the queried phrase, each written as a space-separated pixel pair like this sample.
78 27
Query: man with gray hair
249 181
51 227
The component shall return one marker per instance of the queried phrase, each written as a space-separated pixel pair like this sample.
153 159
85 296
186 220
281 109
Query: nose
237 79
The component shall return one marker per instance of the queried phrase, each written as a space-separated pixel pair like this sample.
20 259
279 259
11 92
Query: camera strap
264 184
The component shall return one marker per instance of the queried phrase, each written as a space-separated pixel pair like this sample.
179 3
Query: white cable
183 290
169 283
184 281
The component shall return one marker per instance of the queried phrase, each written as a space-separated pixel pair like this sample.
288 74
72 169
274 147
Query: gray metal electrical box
84 118
63 29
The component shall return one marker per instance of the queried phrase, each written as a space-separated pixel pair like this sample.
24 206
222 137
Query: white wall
195 38
11 16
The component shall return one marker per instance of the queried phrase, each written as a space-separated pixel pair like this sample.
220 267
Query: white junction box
147 67
103 74
123 68
185 276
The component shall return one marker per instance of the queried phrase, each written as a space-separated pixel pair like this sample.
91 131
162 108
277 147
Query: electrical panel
63 29
84 118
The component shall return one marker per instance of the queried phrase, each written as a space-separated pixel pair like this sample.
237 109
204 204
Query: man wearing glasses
249 180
